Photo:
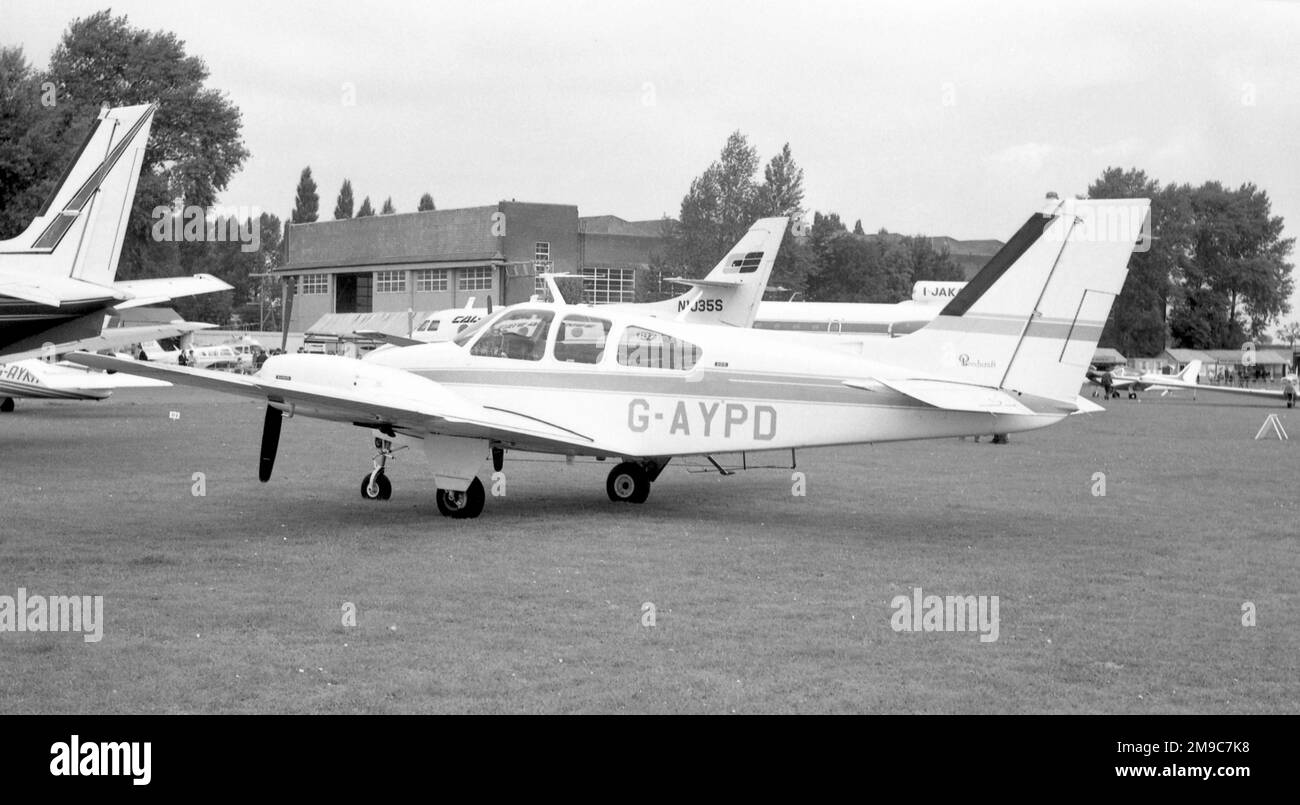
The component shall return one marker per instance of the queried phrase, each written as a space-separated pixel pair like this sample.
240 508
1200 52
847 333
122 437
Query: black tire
382 484
7 405
462 505
628 483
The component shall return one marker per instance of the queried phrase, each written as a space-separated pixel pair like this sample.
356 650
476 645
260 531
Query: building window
474 279
542 257
646 349
601 286
390 282
431 279
314 283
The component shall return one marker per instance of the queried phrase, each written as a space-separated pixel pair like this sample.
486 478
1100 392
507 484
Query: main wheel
628 483
462 505
383 489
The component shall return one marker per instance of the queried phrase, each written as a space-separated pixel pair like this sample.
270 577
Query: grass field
1129 602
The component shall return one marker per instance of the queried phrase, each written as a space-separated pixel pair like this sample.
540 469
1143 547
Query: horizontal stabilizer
948 396
156 291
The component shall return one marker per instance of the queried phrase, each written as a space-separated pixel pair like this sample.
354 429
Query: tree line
1216 275
306 202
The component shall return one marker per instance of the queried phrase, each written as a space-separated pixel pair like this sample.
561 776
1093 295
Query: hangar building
421 262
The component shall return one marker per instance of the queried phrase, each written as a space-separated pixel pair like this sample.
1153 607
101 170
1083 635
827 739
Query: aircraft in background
57 279
729 295
1112 382
444 325
860 318
1006 354
1288 392
32 378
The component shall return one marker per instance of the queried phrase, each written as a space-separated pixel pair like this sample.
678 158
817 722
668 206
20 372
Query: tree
388 208
31 148
1236 280
426 203
343 207
724 201
306 203
1137 323
195 145
366 209
857 228
782 190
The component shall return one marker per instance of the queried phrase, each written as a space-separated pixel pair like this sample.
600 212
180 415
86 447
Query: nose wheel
375 484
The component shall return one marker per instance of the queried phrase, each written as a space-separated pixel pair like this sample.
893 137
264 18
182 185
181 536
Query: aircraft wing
363 394
1272 394
389 338
154 291
114 337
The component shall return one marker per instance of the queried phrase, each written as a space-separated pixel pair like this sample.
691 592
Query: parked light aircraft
860 318
729 295
32 378
1288 392
1007 354
1132 382
57 278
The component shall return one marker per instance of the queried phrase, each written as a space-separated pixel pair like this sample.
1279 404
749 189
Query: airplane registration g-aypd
615 383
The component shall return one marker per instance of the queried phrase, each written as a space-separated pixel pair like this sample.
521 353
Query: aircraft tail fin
1191 372
1029 322
78 233
730 293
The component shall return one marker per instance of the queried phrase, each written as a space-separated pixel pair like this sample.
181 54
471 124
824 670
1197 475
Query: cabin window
581 339
647 349
519 335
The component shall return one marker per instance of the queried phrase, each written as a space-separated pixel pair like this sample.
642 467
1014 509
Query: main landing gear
462 505
630 481
458 505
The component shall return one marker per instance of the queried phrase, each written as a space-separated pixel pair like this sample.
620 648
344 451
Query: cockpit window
581 339
429 325
647 349
519 335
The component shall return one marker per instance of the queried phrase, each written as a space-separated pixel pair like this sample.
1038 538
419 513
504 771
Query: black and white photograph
663 358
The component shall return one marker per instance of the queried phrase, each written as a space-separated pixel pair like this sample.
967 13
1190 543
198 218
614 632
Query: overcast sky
948 118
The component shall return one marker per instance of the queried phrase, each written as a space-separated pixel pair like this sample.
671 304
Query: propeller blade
489 305
270 443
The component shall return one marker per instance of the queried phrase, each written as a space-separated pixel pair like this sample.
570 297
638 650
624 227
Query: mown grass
765 602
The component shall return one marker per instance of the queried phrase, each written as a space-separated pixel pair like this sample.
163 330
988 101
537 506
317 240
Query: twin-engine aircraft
57 281
1007 354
